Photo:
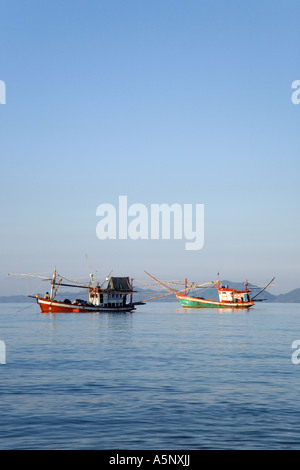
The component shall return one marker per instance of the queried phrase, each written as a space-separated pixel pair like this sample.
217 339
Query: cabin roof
226 289
120 284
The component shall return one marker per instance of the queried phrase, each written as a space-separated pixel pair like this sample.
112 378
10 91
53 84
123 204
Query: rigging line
158 297
22 309
192 286
29 275
165 295
146 283
159 282
181 283
36 289
69 279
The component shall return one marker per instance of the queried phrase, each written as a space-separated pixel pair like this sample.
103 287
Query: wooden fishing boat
116 296
228 297
79 306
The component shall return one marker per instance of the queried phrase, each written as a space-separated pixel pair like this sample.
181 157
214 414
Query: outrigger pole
164 295
263 288
159 282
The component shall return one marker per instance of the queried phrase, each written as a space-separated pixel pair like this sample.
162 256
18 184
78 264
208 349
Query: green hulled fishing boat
228 297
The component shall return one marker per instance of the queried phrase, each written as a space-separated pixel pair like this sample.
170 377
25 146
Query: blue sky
162 101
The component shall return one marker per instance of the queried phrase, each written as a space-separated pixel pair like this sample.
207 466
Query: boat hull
195 302
53 306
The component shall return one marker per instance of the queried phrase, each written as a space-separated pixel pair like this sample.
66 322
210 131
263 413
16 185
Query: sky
169 101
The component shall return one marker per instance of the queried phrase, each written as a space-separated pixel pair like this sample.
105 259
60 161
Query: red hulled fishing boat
115 294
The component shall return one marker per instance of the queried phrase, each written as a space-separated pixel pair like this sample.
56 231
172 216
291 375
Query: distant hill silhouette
292 297
15 299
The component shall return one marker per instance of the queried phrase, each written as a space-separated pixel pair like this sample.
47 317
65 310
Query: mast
131 284
53 283
58 283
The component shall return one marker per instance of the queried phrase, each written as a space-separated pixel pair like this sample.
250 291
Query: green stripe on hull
190 303
196 304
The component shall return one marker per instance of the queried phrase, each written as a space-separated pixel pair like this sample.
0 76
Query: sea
162 377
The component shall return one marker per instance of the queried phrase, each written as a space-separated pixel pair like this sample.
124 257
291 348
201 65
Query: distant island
141 294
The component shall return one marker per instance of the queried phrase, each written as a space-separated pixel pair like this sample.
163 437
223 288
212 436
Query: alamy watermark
2 92
137 222
2 352
296 94
296 353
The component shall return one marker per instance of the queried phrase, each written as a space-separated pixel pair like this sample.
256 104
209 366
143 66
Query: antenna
91 273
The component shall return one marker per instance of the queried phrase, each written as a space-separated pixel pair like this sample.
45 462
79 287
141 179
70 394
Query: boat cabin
114 295
232 295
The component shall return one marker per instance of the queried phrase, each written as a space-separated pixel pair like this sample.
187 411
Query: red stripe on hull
54 307
48 306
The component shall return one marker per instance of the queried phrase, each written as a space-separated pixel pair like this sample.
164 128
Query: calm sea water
159 378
